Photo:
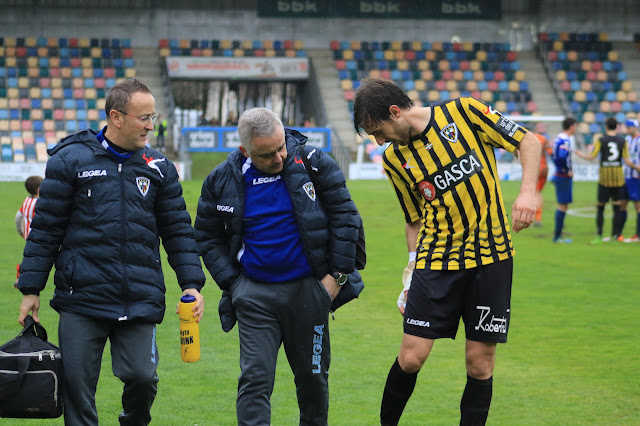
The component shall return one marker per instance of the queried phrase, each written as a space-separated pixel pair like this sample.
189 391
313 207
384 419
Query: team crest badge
310 190
450 132
427 189
143 184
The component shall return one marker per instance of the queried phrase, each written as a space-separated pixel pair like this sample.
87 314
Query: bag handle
33 328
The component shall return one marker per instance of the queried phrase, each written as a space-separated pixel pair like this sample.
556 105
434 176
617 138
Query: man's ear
115 118
394 111
243 151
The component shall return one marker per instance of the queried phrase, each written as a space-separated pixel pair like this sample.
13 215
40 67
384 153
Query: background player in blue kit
563 176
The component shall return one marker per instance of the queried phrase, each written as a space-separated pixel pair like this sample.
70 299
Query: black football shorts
616 193
481 296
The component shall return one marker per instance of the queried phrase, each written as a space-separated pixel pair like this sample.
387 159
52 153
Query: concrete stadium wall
145 26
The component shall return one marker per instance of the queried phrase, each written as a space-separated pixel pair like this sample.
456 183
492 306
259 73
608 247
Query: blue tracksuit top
562 155
272 249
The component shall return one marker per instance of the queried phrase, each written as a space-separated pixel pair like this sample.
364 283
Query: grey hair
256 123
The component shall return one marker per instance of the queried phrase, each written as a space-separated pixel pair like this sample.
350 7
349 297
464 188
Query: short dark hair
32 184
611 123
568 122
120 94
373 98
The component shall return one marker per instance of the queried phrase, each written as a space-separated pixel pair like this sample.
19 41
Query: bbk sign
291 8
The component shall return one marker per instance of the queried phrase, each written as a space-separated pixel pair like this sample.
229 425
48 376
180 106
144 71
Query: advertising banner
403 9
237 68
218 139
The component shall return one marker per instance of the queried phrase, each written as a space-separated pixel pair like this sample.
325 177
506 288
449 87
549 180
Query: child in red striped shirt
24 217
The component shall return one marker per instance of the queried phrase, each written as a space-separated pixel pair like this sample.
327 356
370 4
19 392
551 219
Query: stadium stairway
336 107
541 88
148 71
630 56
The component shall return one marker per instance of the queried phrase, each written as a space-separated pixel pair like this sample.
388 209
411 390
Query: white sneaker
606 239
633 239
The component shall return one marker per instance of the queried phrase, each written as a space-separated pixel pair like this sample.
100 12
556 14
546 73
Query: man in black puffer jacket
281 246
105 202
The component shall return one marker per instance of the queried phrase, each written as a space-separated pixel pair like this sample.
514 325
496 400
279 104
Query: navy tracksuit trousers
295 314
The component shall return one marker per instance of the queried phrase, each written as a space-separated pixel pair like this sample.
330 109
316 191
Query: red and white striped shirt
28 210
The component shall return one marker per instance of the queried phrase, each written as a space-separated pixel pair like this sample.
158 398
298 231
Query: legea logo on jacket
91 173
152 163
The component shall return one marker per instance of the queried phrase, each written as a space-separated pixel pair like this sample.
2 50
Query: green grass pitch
572 357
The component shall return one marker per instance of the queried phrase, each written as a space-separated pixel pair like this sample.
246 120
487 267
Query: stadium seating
589 75
232 48
435 71
50 87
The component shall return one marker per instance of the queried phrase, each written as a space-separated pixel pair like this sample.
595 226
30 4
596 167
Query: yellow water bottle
189 330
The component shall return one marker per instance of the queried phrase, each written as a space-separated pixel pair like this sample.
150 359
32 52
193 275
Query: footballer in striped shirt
442 167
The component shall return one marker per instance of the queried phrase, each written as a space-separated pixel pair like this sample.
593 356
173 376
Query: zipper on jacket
123 235
92 209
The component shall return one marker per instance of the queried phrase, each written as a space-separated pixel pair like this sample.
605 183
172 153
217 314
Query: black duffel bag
30 375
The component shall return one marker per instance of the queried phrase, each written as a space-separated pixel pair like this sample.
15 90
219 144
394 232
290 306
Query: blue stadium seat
575 107
7 153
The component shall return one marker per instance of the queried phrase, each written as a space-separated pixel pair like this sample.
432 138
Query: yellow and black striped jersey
448 178
612 150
